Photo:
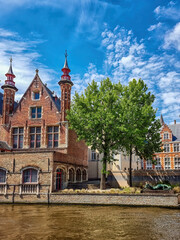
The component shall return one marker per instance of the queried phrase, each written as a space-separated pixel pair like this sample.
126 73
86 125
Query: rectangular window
166 147
167 163
36 95
177 163
35 137
149 165
93 155
36 112
166 136
52 136
18 137
176 147
158 164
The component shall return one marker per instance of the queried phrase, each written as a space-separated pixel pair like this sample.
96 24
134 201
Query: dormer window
36 95
166 136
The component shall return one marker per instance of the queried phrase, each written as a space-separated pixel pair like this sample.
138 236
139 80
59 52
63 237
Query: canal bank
154 200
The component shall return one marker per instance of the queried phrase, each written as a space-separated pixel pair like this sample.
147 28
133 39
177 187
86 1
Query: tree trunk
103 176
130 168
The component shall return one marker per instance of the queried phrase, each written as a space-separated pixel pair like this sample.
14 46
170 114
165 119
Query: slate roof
175 128
4 146
56 100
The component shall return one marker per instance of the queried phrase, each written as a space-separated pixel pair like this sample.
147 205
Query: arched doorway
78 175
84 175
59 179
71 175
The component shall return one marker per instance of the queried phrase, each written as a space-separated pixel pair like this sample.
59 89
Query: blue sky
120 39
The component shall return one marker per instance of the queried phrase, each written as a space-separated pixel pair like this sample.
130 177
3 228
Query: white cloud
172 38
171 11
155 26
25 61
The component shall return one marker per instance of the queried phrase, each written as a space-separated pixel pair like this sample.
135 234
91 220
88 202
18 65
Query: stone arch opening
60 179
78 175
84 175
71 175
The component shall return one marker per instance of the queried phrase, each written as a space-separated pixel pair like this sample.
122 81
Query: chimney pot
174 121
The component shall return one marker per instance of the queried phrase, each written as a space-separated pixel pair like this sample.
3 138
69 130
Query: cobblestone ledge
163 200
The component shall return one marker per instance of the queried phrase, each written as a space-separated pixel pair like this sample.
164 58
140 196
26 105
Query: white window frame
176 160
166 147
176 147
167 163
166 135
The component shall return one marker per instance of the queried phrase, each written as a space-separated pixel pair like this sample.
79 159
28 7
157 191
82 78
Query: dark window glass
38 140
50 140
53 136
36 112
35 137
32 138
36 95
33 112
30 176
2 176
18 137
15 142
38 130
39 112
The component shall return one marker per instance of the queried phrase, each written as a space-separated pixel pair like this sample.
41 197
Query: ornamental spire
10 71
65 78
162 120
66 63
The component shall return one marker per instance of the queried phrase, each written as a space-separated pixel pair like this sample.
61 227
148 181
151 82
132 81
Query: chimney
174 121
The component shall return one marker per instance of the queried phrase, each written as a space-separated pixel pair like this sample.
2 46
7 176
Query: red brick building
169 158
38 152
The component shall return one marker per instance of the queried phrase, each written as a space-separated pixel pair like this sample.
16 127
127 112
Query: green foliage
94 114
113 117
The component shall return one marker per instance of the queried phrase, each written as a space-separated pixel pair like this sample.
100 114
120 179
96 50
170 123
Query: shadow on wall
140 177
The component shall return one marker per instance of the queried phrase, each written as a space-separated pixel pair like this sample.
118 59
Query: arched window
71 175
2 176
30 175
60 177
78 175
84 175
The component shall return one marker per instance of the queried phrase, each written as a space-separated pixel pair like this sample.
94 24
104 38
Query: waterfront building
38 151
167 167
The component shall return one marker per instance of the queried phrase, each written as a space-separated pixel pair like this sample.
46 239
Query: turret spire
66 63
10 71
65 78
162 120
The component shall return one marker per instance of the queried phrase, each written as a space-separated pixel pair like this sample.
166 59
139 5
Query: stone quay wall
155 200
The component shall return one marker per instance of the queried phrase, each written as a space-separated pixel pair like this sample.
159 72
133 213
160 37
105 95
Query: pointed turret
162 120
65 78
9 82
65 84
9 94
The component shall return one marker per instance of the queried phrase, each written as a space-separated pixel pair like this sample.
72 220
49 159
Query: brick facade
44 153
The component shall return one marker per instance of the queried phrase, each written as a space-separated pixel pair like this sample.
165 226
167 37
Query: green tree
93 115
141 129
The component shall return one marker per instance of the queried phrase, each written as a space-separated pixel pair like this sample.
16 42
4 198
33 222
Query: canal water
31 222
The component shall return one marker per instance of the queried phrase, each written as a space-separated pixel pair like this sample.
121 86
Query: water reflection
87 222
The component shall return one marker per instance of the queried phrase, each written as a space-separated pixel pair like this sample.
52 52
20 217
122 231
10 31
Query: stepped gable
55 100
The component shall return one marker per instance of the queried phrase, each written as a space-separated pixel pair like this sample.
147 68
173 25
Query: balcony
29 189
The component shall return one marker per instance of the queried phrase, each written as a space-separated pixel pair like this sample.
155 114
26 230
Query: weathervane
66 54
